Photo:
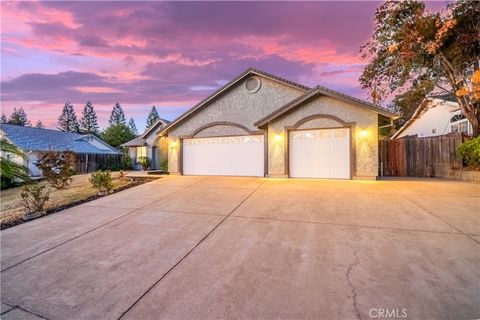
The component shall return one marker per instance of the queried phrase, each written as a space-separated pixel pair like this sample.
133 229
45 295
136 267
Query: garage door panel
322 153
234 156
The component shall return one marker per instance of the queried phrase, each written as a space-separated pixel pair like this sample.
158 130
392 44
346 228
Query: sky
170 54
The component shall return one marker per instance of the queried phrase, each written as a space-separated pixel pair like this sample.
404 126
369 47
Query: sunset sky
170 55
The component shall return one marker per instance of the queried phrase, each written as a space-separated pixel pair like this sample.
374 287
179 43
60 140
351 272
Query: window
141 152
253 84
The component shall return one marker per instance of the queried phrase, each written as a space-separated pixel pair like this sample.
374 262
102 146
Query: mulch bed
136 181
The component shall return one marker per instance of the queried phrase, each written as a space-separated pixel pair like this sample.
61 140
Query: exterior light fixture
278 137
173 144
363 133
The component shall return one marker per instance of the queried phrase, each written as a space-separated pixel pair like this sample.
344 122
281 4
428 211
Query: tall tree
3 118
88 121
117 134
10 170
117 116
411 46
39 125
68 119
152 117
19 117
132 126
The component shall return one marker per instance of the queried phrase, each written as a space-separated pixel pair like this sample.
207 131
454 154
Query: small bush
126 161
57 168
164 166
145 162
470 152
34 197
102 180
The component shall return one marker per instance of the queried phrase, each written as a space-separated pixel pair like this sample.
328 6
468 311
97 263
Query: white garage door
227 156
323 153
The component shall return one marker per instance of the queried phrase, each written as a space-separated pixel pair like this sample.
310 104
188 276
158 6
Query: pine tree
39 125
19 117
152 117
117 116
68 119
132 126
3 118
88 122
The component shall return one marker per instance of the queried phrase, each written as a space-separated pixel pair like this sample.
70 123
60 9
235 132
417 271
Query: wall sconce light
278 137
173 145
363 133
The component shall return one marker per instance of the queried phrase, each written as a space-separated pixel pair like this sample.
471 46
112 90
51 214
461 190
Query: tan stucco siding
238 106
365 146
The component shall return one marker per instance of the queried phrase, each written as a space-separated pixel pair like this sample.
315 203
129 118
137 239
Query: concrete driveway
218 247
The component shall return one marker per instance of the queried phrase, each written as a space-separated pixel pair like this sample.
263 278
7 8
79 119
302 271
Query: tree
152 117
11 171
3 118
117 116
39 125
19 118
88 122
57 167
117 134
132 126
411 45
68 119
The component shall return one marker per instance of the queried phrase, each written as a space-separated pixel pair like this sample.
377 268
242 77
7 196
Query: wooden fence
86 163
420 157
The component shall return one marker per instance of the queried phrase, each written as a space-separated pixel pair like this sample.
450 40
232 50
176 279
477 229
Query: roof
241 76
419 111
319 90
135 142
37 139
152 128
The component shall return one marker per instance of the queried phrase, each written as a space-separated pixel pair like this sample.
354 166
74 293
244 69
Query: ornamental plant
102 180
469 151
57 168
34 197
145 162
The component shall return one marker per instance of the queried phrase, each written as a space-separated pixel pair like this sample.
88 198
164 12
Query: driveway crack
353 292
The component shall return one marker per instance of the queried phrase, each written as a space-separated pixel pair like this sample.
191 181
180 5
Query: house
91 152
435 116
259 124
149 145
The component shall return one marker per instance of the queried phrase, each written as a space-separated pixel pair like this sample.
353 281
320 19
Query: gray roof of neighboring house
135 142
141 140
36 139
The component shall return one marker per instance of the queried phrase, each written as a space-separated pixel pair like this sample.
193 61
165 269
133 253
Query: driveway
187 247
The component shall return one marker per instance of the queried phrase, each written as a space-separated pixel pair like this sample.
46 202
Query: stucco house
91 152
150 145
259 124
435 117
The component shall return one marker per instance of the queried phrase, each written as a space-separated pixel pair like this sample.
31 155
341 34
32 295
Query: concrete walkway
218 247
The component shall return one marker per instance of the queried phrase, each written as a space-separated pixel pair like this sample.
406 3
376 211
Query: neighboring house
259 124
149 145
91 152
435 117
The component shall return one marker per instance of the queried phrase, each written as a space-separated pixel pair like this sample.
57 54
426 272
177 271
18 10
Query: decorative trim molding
222 123
320 116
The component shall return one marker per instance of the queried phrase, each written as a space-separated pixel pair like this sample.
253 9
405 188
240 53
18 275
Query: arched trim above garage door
223 123
320 116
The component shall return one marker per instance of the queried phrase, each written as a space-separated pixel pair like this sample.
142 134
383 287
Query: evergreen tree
39 125
117 134
132 126
88 122
19 117
68 119
117 116
152 117
3 118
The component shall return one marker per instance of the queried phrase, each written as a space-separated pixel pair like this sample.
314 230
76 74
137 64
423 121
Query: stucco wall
365 145
434 121
237 105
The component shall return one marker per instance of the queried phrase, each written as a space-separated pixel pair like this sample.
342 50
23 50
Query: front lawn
11 211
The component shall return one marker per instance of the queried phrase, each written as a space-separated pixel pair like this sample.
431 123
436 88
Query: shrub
164 166
470 152
145 162
102 180
126 162
57 168
34 197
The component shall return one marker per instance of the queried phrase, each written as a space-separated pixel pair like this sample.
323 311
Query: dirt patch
78 193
